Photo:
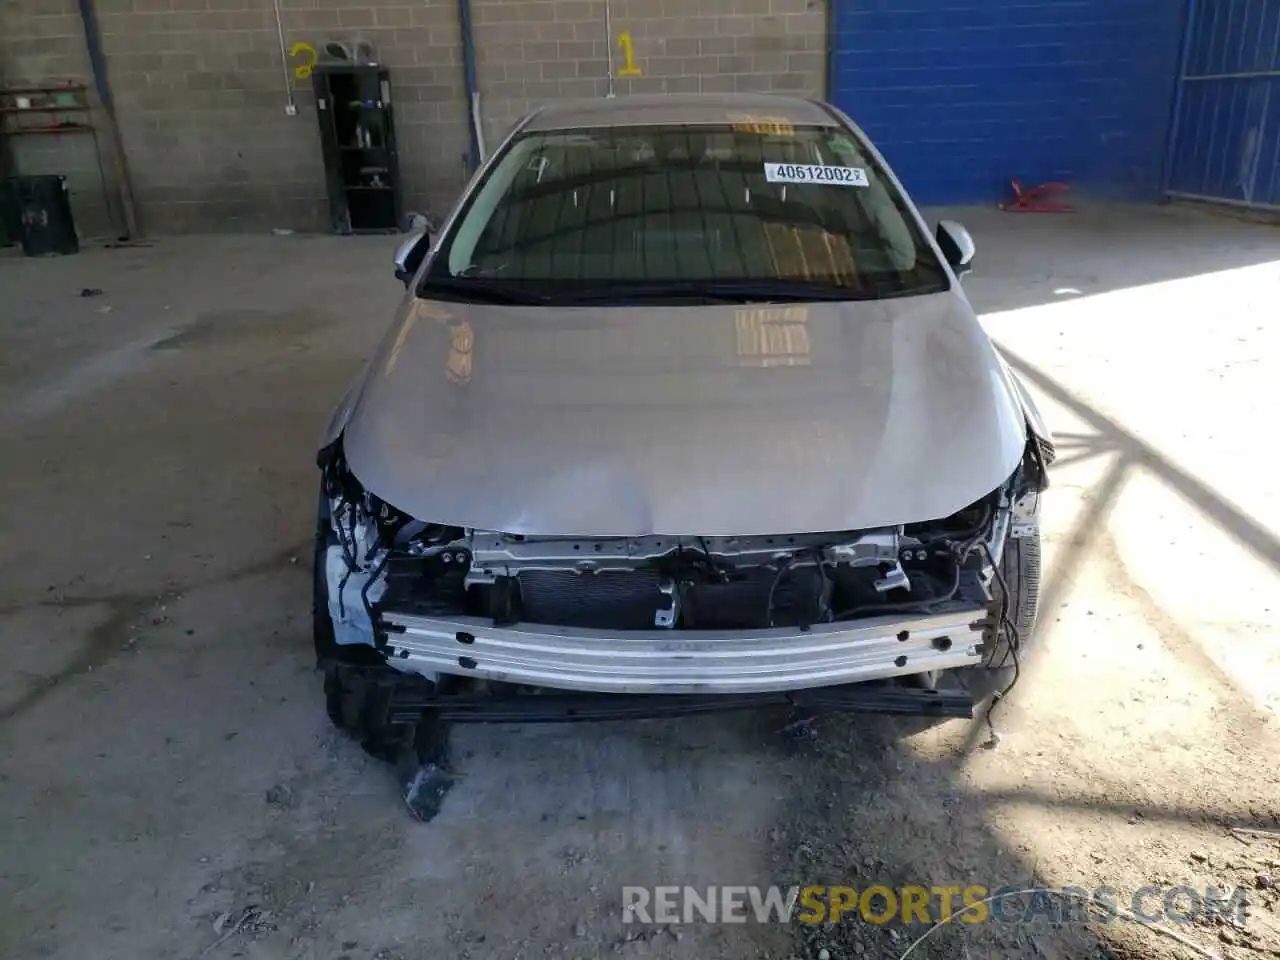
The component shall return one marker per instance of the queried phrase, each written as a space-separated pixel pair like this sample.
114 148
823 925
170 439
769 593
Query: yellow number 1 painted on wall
629 68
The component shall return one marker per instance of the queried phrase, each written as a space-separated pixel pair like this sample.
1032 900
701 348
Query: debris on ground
252 920
801 729
279 796
646 934
90 291
425 789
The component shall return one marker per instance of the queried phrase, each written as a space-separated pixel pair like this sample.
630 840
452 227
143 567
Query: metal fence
1224 138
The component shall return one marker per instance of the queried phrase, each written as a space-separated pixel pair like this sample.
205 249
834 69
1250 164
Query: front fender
1035 422
342 412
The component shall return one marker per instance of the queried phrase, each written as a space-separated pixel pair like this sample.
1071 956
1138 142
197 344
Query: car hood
706 420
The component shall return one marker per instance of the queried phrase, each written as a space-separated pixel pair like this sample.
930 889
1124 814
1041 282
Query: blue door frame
1224 133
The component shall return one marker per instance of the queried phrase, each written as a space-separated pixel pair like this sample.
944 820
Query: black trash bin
9 231
45 224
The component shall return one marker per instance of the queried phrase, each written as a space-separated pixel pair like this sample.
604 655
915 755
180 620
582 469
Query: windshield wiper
722 291
479 291
917 291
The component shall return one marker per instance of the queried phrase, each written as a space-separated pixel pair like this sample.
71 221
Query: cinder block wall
533 51
202 98
200 86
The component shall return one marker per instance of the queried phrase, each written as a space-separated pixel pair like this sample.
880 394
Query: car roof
690 108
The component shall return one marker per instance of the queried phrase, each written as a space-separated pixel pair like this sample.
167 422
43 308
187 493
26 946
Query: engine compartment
379 558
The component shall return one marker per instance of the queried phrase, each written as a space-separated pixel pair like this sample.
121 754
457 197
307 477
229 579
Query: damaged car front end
448 623
639 447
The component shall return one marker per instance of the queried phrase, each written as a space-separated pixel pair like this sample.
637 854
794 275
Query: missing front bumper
686 662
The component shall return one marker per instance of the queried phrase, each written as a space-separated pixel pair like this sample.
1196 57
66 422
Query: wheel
1020 567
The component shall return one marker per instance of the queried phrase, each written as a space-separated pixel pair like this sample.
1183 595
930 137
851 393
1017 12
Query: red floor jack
1045 198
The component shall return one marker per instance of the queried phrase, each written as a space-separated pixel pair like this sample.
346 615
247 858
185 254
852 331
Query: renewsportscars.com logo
934 905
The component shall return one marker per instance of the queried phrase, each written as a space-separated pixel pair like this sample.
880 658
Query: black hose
348 553
975 530
364 591
906 604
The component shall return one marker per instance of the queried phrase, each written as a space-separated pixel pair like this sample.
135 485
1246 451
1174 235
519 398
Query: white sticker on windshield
815 173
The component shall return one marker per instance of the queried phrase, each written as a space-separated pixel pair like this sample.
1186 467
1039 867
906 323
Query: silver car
684 409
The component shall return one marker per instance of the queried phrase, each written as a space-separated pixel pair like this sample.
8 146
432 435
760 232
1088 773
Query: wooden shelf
23 91
76 108
59 128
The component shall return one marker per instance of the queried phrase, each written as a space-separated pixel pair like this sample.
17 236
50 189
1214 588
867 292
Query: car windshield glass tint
588 212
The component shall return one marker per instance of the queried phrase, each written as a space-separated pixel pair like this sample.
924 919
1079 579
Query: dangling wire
783 567
1014 639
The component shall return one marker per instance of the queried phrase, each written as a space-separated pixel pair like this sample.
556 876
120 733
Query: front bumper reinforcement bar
721 662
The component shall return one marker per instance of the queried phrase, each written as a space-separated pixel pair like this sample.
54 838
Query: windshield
743 211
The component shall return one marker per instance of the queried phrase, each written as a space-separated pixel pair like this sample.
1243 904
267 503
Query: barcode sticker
816 173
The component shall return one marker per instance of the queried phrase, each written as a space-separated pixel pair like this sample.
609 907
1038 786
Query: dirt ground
157 493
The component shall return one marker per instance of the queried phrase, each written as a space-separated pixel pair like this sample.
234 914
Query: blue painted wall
961 95
1228 137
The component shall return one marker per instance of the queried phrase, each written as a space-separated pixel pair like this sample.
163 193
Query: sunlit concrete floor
156 498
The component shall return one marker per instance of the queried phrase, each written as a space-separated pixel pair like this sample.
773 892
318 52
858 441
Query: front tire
1020 567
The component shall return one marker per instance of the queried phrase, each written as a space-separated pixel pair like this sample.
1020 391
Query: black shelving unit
357 136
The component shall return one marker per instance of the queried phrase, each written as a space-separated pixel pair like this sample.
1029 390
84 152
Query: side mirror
957 246
411 252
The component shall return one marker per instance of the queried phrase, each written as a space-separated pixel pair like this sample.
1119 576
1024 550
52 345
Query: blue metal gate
962 95
1224 138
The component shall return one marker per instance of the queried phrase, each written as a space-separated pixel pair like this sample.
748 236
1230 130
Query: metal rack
50 110
358 142
19 102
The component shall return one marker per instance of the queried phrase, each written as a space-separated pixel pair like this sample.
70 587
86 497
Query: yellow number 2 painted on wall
303 70
629 68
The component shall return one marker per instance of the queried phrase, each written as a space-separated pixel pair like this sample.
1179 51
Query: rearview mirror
410 253
957 246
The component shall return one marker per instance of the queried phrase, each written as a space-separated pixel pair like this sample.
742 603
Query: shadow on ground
881 809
